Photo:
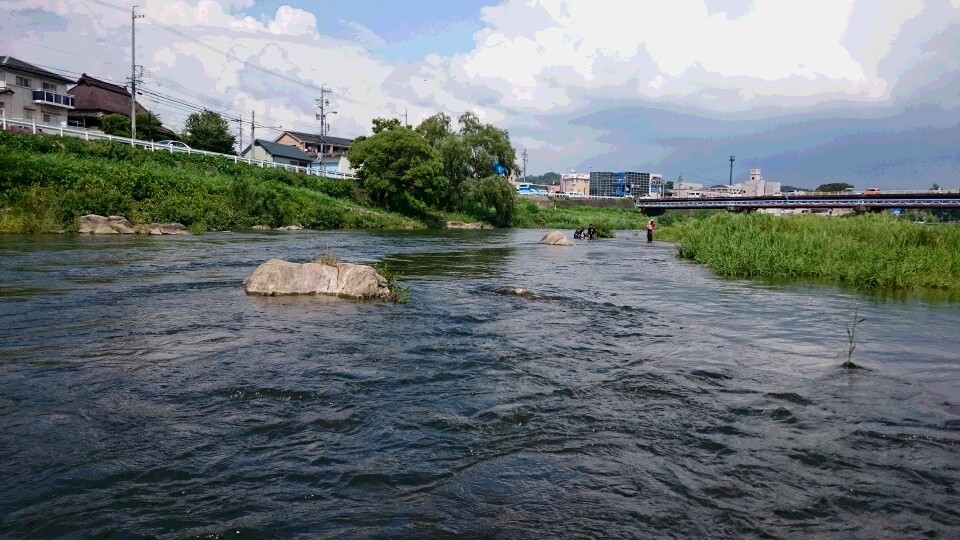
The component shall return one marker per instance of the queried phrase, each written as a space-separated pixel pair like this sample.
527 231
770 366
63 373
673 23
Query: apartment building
31 93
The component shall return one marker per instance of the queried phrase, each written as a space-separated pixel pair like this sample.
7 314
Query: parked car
176 145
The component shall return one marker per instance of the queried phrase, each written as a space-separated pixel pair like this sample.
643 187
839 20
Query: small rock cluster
94 224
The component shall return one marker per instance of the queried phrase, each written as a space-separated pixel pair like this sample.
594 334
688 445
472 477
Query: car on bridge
872 191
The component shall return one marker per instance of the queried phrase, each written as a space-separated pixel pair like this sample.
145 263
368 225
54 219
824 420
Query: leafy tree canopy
834 187
491 199
148 126
384 124
399 169
207 130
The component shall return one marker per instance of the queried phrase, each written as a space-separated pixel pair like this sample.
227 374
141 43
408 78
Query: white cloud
534 61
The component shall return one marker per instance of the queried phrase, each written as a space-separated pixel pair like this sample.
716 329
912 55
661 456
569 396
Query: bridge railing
35 127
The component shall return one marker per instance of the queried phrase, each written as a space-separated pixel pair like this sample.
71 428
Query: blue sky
809 92
410 30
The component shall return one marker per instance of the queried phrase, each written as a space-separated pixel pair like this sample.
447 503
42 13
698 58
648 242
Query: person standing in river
651 226
591 231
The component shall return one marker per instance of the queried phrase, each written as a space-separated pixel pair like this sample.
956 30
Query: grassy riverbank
529 215
869 251
47 182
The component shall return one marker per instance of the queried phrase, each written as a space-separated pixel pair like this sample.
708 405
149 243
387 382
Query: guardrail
63 131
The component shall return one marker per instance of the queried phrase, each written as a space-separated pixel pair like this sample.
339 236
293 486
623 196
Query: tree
148 126
207 130
473 152
491 199
835 187
935 187
486 144
384 124
399 170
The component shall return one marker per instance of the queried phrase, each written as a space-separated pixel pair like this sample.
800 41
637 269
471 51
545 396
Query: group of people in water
591 231
579 234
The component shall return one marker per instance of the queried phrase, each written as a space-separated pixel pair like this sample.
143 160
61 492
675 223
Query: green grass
868 251
46 183
531 216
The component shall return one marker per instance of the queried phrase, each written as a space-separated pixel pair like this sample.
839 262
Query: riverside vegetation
47 182
868 251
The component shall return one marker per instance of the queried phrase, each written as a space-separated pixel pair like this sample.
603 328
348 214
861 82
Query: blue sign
501 170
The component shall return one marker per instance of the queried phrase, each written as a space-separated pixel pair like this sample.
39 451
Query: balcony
46 97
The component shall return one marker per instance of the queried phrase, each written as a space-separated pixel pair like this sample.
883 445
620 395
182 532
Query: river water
142 393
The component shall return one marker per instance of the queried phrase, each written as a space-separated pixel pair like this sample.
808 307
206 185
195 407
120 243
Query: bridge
873 201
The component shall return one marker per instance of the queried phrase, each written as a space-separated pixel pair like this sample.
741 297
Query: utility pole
524 164
732 159
322 103
239 122
406 122
253 127
133 73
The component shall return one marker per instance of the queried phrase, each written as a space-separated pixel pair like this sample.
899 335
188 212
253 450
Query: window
49 87
23 81
28 114
3 109
48 118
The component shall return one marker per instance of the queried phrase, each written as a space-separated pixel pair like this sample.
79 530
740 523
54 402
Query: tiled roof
19 65
313 138
282 150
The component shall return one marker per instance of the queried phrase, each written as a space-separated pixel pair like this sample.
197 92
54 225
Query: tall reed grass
868 251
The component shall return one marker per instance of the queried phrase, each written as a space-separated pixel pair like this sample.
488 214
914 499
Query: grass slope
47 182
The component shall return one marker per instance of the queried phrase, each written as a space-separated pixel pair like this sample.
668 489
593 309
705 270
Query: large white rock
94 224
556 238
276 277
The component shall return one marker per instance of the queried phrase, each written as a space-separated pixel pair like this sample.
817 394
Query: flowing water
142 393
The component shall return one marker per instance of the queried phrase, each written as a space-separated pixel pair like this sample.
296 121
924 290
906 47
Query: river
142 393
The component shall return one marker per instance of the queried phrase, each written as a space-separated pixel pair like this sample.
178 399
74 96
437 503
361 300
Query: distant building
310 143
30 93
575 183
277 153
620 184
756 186
685 189
722 190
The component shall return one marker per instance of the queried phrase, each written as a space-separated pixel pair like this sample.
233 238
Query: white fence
89 135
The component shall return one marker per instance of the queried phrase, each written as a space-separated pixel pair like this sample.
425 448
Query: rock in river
556 238
276 277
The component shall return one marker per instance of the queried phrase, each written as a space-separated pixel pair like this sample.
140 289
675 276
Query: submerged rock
462 225
507 290
556 238
276 277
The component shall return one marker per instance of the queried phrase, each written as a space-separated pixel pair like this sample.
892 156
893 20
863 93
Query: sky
859 91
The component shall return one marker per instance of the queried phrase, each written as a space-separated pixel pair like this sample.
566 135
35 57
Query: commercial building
30 93
623 184
575 183
756 186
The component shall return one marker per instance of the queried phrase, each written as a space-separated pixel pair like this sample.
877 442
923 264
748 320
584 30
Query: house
310 143
94 99
30 93
277 153
333 164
